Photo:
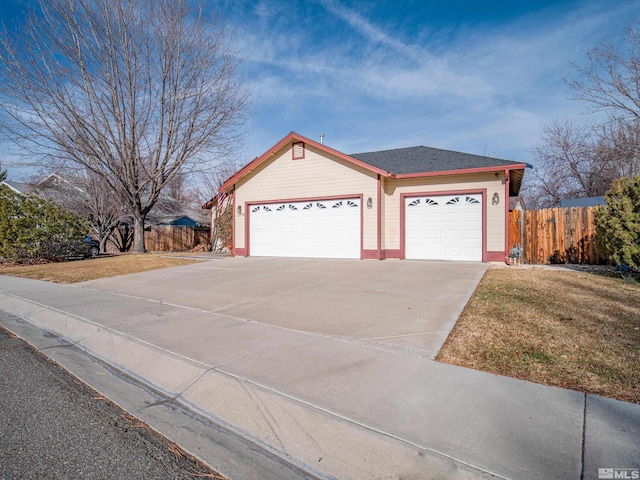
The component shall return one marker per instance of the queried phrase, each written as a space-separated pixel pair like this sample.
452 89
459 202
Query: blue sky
478 77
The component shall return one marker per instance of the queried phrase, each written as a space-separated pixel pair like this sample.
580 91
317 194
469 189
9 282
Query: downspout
506 217
233 223
247 232
213 219
379 213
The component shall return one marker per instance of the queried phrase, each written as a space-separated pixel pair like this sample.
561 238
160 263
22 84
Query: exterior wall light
495 200
239 210
369 203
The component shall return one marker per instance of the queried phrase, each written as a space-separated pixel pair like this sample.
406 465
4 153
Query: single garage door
318 228
444 227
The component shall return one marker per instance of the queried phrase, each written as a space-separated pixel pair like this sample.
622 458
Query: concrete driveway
407 305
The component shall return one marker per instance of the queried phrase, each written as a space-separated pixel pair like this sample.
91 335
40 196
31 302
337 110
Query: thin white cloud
376 77
427 75
373 33
267 10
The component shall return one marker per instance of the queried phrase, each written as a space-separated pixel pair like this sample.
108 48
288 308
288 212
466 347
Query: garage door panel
430 217
321 229
453 217
451 251
447 227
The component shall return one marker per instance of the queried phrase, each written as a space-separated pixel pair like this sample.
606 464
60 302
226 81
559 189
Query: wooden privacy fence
174 238
555 235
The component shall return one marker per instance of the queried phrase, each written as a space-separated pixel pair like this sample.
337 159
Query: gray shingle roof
403 161
582 202
23 188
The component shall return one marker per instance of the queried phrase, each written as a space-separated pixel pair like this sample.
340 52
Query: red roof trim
293 137
497 168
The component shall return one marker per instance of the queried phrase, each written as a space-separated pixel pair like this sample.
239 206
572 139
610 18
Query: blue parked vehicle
93 247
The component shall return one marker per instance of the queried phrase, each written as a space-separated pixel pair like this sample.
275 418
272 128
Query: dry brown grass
91 269
574 330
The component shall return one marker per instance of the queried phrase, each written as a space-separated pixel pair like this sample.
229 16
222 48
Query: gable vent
298 150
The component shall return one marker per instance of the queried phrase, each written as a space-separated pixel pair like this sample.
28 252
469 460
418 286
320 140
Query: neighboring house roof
178 220
168 209
18 187
53 187
54 181
403 162
582 202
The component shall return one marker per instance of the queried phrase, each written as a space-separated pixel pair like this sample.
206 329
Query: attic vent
298 150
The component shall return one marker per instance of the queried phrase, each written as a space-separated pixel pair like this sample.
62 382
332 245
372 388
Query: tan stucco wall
495 213
317 175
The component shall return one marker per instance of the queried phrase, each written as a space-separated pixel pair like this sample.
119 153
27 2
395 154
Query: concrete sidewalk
334 407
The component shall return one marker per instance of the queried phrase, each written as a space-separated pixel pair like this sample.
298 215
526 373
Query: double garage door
318 228
437 227
444 227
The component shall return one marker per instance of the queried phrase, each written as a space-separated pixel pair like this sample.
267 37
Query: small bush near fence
618 225
33 229
556 235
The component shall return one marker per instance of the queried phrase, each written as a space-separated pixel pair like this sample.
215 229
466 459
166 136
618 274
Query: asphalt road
52 426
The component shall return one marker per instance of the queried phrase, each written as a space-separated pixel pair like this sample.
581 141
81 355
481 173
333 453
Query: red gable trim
294 137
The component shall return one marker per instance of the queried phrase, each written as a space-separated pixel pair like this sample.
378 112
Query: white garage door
319 228
444 227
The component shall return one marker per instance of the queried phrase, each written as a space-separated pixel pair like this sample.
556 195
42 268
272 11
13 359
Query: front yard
91 269
569 329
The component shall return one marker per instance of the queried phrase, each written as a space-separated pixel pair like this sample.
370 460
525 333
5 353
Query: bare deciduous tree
105 210
134 91
87 195
178 188
610 80
122 237
619 143
569 164
213 179
576 161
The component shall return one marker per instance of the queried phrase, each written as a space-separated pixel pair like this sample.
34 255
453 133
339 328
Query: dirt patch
572 329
